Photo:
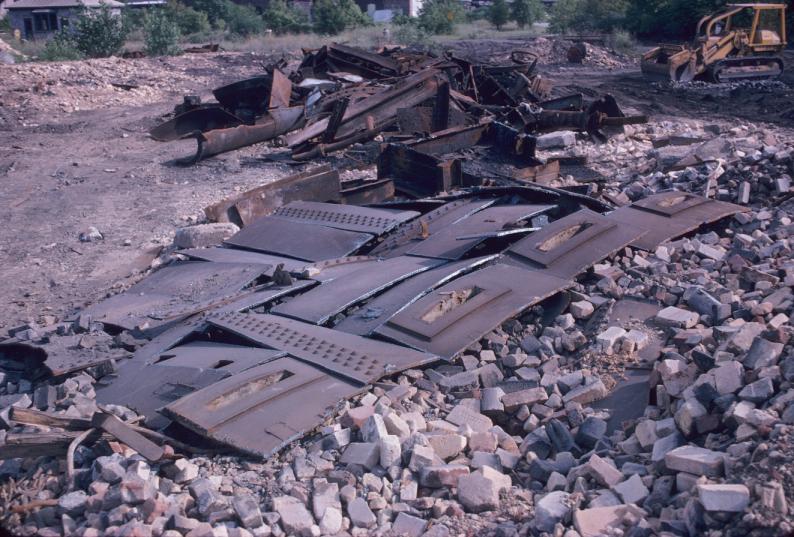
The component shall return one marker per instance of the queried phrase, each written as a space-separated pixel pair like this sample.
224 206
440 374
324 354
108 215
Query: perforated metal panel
347 217
572 244
359 359
452 317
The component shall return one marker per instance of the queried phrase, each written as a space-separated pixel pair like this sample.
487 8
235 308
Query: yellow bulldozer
743 41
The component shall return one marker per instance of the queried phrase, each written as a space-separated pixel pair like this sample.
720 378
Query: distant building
39 19
383 10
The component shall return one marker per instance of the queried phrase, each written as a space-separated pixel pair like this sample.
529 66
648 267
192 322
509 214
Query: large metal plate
357 358
235 255
174 291
331 269
309 242
265 295
320 304
449 319
377 311
406 236
347 217
669 215
263 409
448 243
573 244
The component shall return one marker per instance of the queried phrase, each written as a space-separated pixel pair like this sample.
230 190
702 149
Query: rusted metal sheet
451 140
319 305
235 255
265 294
175 290
669 215
378 310
263 409
280 91
331 269
309 242
542 174
366 192
572 244
317 184
203 118
451 242
347 217
418 174
60 356
359 359
407 235
452 317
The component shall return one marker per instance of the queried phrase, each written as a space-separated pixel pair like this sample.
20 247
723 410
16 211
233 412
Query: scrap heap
472 357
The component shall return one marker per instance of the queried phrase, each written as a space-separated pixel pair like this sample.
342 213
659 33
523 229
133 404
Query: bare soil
74 153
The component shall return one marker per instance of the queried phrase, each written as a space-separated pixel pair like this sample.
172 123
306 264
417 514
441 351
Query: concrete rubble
524 432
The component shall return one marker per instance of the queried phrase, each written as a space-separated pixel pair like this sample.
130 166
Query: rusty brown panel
319 305
542 174
404 238
416 173
451 140
347 217
670 215
367 192
331 269
456 240
573 244
456 315
280 90
357 358
176 290
317 184
263 409
415 120
299 240
200 119
378 310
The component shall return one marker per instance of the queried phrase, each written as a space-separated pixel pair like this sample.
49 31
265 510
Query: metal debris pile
340 96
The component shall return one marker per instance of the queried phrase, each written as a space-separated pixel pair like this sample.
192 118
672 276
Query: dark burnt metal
347 217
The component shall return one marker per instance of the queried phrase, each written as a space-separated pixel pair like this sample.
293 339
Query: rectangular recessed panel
264 408
573 244
300 240
357 358
347 217
375 312
404 238
449 319
670 215
447 242
320 304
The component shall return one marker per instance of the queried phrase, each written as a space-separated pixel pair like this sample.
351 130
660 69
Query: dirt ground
75 154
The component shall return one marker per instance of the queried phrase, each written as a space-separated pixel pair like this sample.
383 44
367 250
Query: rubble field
490 292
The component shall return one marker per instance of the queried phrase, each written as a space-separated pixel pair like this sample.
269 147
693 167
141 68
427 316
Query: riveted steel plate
357 358
290 238
669 215
175 290
235 255
452 317
573 244
262 409
321 303
265 295
447 242
378 310
347 217
405 237
331 269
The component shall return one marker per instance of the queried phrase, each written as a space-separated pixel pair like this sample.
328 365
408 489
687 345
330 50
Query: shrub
160 34
588 15
243 20
408 33
189 20
622 41
283 18
216 11
60 48
440 16
527 12
99 33
669 18
334 16
499 13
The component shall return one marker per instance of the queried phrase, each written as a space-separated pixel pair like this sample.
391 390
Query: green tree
99 33
334 16
676 19
283 18
216 11
243 20
526 12
61 48
588 15
440 16
160 34
499 13
189 20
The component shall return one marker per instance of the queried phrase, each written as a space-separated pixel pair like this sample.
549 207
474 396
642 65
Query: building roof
48 4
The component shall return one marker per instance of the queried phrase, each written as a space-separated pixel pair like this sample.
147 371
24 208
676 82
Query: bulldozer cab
760 27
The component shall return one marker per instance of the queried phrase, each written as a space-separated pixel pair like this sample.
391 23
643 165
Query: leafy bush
243 20
334 16
440 16
527 12
60 48
669 18
622 41
160 34
189 20
283 18
99 33
589 15
499 13
215 11
409 33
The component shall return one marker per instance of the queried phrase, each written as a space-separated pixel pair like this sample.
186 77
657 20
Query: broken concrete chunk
480 490
727 498
204 235
295 518
556 140
695 460
677 317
